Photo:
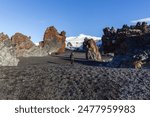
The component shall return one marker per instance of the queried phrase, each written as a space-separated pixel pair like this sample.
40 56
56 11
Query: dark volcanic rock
125 40
53 77
58 81
129 41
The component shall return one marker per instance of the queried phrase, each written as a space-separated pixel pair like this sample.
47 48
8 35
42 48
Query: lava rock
25 47
53 42
91 49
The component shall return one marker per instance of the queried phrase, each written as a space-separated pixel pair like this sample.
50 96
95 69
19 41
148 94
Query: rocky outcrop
7 55
91 49
127 39
25 47
128 42
21 45
3 37
22 41
53 42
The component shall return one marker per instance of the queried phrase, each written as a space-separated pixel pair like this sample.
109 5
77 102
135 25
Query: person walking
72 58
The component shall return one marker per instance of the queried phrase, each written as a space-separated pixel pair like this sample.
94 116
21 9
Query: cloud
141 20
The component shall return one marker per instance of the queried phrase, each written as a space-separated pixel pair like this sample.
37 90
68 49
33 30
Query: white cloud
141 20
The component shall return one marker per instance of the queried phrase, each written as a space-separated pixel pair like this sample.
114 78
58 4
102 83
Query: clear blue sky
32 17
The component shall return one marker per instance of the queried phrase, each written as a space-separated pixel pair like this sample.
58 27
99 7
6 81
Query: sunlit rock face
22 41
91 49
53 42
3 37
25 47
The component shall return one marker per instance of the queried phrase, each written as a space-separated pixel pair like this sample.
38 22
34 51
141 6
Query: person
72 58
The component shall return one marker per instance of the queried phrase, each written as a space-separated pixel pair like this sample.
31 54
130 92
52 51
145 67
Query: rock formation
53 42
7 52
3 37
127 42
92 51
25 47
21 45
22 41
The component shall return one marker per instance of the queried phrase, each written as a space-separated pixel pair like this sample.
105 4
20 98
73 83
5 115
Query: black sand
55 78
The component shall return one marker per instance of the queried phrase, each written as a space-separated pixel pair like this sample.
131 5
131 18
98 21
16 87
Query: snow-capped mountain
77 42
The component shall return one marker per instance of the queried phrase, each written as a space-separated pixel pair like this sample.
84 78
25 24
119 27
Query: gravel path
54 78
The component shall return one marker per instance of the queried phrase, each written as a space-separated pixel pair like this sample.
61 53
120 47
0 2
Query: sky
32 17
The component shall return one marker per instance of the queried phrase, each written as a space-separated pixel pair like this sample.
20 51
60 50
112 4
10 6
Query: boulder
7 55
22 41
53 42
25 47
91 49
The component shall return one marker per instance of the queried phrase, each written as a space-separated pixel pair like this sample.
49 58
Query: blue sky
32 17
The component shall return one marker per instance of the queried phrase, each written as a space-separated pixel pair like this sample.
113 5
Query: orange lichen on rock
62 49
22 41
3 37
53 41
50 33
92 51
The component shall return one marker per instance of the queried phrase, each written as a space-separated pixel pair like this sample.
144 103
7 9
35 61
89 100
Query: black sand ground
55 78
